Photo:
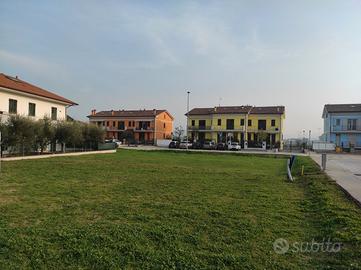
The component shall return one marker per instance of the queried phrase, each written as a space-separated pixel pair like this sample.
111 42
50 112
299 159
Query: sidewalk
255 152
59 155
345 170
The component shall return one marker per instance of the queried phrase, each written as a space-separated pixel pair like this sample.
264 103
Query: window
273 122
202 123
219 122
351 124
242 122
54 113
230 123
262 124
129 123
107 123
13 106
193 123
338 122
249 123
121 125
113 123
164 125
31 109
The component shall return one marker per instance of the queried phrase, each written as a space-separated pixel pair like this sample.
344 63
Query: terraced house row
141 126
248 125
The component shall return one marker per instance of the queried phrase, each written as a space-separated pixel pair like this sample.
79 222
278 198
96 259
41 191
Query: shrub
24 135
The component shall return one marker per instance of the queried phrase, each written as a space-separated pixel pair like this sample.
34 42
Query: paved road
345 170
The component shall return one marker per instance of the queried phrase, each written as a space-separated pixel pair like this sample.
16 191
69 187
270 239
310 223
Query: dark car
173 144
221 146
209 145
197 145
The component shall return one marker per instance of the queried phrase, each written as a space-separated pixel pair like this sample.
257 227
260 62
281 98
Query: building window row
13 109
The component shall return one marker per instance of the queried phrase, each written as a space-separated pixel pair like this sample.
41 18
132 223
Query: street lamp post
187 119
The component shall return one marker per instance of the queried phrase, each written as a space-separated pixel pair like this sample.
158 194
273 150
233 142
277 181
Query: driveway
345 170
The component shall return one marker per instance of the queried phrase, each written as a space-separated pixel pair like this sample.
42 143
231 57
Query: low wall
60 155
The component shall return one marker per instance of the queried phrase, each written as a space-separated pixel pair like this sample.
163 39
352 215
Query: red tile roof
16 84
268 110
129 113
238 110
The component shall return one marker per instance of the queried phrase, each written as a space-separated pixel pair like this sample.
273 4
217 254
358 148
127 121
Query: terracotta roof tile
238 110
16 84
128 113
340 108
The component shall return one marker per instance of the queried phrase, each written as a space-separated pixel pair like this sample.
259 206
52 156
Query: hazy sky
146 54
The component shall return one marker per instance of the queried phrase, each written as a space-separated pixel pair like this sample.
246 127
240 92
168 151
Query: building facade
22 98
141 126
248 125
342 125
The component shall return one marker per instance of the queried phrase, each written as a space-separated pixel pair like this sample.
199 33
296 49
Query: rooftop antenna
219 102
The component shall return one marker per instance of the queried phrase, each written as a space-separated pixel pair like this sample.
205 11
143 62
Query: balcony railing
144 129
346 128
196 128
234 129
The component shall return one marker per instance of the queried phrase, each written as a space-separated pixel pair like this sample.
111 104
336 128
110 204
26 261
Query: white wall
43 106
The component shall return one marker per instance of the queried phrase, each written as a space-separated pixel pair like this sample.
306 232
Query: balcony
114 129
268 130
144 129
199 128
347 128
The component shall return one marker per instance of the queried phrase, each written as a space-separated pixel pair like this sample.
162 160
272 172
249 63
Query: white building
22 98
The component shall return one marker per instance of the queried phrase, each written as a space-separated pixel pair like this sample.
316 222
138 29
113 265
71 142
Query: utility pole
309 139
187 119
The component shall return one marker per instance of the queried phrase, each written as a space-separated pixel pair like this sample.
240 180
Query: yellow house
248 125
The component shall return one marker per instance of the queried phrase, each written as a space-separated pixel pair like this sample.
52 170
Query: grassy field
169 210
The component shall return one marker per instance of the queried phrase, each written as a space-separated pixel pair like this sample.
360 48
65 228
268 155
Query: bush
23 135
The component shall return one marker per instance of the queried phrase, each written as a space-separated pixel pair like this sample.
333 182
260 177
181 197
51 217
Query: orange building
141 126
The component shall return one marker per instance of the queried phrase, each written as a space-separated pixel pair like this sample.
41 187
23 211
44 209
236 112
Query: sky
147 54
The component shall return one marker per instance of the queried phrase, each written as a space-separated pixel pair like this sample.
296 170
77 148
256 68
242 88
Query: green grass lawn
167 210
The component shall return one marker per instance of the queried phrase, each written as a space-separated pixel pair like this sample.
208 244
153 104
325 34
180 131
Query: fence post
323 161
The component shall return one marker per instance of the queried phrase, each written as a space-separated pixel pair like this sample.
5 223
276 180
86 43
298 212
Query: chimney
154 111
94 111
16 77
215 109
112 112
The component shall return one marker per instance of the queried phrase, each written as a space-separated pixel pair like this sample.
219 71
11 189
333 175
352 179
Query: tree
21 134
44 133
93 135
178 133
62 133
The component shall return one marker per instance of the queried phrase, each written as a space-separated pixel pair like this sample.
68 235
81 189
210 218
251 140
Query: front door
338 140
142 137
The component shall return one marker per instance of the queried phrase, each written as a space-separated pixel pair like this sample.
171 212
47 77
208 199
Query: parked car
221 146
234 146
115 141
183 145
197 145
209 145
173 144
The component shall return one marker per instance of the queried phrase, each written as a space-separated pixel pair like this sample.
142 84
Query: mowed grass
169 210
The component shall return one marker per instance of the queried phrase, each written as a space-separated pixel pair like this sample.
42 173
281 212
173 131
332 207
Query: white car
116 141
183 145
234 146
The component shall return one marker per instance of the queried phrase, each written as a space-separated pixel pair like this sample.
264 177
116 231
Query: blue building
342 125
